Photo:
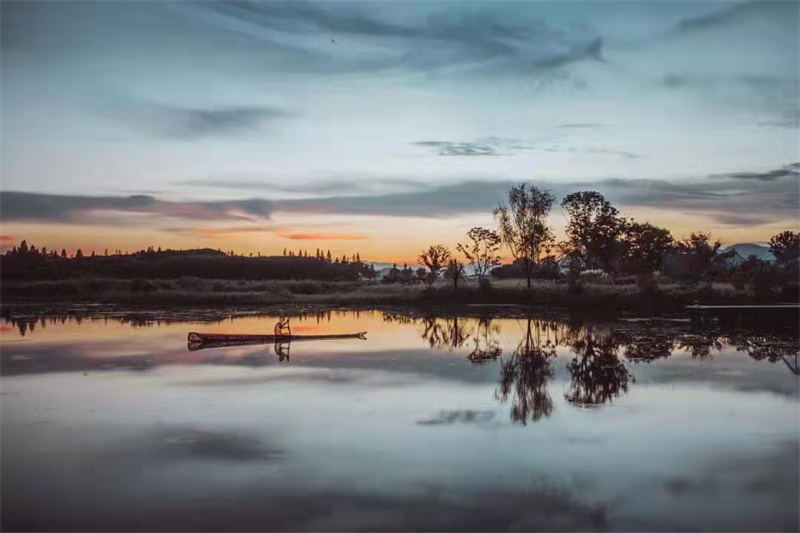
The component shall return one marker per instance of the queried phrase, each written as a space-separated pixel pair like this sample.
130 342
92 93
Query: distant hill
746 249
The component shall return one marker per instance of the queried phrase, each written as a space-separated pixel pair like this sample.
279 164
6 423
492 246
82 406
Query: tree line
598 238
26 262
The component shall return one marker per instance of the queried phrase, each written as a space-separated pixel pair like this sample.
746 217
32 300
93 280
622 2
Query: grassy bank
669 297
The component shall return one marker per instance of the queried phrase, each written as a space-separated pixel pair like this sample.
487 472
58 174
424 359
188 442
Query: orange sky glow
382 239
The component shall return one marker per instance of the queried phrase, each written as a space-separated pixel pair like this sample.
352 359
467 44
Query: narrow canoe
233 338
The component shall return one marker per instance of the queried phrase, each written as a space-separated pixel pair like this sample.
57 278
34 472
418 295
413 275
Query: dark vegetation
29 264
606 262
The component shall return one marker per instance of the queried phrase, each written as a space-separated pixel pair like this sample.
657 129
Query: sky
383 127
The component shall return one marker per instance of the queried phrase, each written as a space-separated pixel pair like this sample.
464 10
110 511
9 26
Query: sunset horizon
260 126
400 265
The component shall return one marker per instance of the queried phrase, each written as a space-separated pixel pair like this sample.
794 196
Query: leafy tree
644 246
23 248
435 258
421 274
483 252
594 229
523 225
785 246
63 253
759 275
407 274
393 276
79 254
328 258
700 253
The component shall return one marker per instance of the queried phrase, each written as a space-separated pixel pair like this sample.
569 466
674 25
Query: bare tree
523 225
435 258
483 252
454 272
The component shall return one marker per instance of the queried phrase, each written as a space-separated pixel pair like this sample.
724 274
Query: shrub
595 276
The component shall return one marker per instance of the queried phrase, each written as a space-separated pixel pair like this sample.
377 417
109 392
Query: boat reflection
597 354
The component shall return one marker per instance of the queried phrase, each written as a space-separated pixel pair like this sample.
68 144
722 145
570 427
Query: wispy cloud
367 41
459 148
27 206
733 198
281 184
489 146
190 123
322 236
792 170
730 14
581 125
719 196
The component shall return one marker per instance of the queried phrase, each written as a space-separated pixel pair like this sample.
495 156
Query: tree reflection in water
444 334
486 347
700 344
524 377
647 345
597 374
772 348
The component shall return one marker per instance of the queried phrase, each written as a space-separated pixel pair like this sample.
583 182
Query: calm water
430 424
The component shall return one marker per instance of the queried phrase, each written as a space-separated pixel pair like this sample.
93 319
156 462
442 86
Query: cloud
420 40
441 201
738 198
488 146
322 236
35 207
786 171
285 185
727 198
214 233
456 148
620 153
6 238
581 125
190 123
732 14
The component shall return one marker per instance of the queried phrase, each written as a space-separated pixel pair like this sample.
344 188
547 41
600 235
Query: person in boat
282 328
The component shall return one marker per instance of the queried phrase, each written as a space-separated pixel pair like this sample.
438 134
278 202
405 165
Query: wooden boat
237 339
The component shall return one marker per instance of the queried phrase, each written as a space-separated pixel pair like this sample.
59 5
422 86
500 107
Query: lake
449 423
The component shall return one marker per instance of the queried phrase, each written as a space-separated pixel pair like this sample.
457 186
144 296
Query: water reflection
595 362
524 377
597 374
397 431
485 343
444 333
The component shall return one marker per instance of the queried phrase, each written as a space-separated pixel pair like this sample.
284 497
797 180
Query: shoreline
667 298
